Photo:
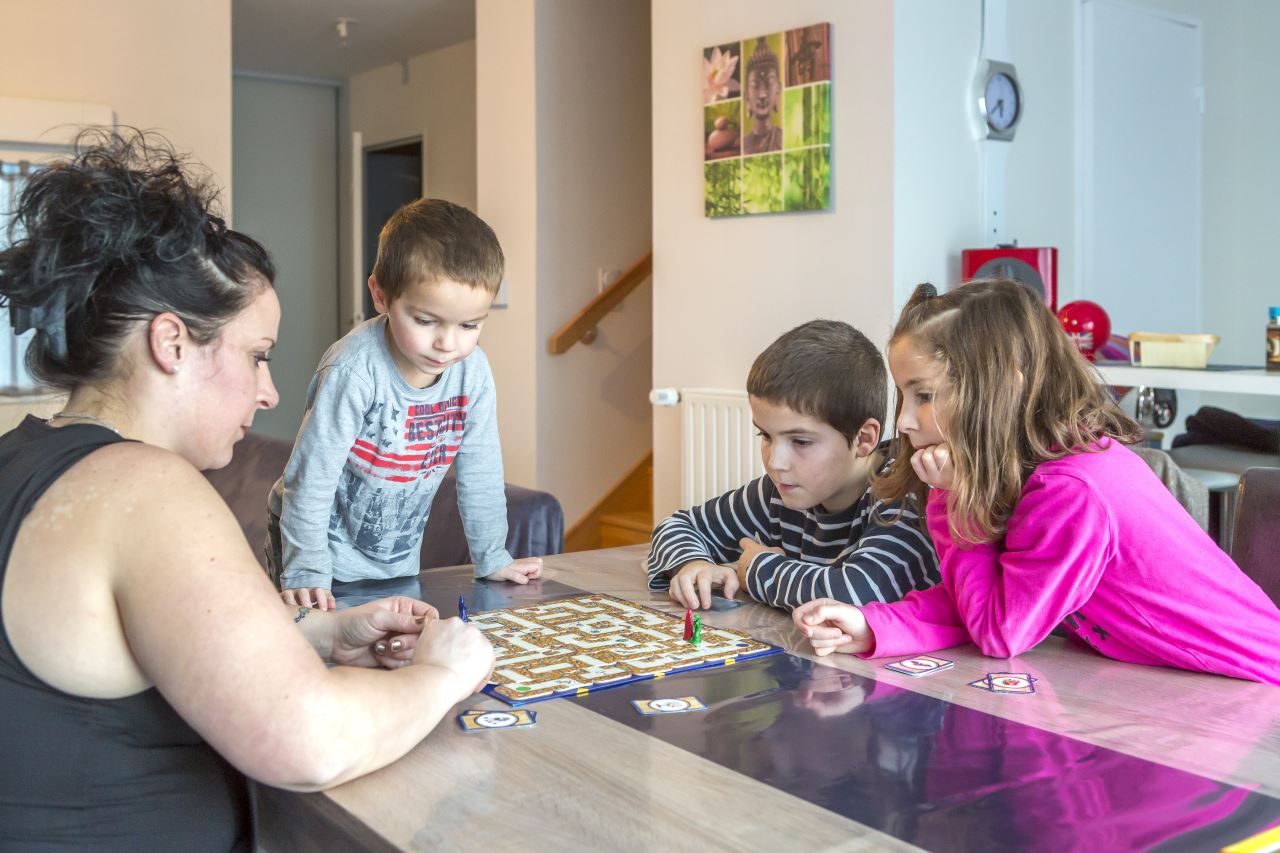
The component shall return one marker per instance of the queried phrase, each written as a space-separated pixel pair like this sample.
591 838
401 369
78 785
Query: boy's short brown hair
827 370
431 240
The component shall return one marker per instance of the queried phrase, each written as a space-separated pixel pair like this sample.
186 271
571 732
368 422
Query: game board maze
587 642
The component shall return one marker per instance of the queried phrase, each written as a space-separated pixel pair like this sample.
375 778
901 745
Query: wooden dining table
797 752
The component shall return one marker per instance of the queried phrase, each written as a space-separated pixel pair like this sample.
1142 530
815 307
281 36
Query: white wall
594 211
564 178
937 179
438 101
1241 183
725 288
160 65
285 153
937 174
506 198
1041 177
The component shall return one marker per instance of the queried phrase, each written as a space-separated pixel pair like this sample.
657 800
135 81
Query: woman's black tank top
97 774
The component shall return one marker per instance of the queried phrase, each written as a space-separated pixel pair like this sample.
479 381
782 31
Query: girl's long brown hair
1019 394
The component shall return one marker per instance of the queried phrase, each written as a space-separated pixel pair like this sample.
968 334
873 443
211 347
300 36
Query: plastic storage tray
1157 349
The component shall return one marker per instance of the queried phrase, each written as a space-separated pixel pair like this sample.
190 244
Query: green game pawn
697 630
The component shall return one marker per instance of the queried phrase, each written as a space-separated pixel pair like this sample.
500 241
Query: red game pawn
688 625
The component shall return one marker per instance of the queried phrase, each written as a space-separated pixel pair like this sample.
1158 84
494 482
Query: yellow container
1157 349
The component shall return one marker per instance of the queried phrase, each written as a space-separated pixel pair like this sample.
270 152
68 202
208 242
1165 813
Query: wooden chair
1255 542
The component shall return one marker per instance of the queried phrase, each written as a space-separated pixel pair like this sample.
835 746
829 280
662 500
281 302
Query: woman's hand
380 633
933 466
459 648
833 626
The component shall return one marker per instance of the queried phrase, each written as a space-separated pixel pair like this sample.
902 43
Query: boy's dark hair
430 240
827 370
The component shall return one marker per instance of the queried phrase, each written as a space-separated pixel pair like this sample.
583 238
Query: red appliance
1087 325
1036 267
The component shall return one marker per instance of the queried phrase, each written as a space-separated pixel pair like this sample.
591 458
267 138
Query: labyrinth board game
572 646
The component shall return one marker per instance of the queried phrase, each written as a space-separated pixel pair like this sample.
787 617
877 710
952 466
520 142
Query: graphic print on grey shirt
370 456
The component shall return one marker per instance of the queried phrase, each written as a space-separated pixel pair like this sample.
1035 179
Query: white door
1141 113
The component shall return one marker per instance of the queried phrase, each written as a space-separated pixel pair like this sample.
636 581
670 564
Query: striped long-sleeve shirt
868 552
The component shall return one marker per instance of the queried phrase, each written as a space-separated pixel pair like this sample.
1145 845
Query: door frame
358 278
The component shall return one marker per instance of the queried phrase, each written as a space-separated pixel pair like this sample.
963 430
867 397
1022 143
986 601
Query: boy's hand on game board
380 633
750 549
933 466
459 648
318 598
833 626
691 586
519 571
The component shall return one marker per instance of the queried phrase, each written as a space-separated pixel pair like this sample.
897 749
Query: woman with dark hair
146 663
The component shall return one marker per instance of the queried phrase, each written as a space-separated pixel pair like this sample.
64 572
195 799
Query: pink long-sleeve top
1099 545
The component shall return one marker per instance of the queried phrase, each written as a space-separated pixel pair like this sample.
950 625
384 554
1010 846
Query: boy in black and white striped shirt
809 528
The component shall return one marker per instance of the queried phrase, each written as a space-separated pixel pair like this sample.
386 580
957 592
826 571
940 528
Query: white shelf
1249 381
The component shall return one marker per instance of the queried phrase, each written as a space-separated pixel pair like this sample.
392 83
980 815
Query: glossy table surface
803 753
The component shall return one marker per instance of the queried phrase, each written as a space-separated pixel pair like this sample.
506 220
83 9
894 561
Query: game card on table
920 665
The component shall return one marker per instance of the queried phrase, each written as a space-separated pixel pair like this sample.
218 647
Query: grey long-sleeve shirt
370 456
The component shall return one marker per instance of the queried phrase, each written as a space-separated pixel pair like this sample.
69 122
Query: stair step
625 528
638 520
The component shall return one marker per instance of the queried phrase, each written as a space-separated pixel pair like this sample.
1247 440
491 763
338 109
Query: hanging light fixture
343 27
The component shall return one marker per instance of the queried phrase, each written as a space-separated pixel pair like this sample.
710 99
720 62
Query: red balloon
1086 324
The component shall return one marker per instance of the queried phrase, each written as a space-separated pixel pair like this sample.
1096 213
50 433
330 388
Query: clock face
1001 96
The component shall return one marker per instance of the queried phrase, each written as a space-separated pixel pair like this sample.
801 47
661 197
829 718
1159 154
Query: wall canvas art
766 123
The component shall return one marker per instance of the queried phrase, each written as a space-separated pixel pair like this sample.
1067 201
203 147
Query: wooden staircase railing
583 326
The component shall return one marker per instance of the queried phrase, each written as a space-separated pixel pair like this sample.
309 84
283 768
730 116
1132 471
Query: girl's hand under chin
933 466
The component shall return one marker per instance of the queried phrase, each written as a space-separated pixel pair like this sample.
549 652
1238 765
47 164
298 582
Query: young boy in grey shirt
391 406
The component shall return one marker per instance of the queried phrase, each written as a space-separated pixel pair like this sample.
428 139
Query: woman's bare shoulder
142 471
113 524
131 494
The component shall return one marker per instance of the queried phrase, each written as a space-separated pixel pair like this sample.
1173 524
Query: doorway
392 179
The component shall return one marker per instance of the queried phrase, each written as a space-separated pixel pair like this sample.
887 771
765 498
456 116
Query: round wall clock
1000 101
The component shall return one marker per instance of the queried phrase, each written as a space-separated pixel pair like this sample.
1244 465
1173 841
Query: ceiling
300 38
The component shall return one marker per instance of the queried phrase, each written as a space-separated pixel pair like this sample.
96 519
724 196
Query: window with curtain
14 378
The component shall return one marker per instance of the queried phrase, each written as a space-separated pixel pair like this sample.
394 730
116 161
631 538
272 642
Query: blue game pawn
462 609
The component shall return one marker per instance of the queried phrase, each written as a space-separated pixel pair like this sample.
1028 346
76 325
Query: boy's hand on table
318 598
692 584
380 633
519 571
750 549
833 626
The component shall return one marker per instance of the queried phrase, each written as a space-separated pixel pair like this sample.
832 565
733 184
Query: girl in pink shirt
1040 514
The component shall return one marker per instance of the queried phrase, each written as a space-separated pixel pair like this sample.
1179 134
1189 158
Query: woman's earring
173 369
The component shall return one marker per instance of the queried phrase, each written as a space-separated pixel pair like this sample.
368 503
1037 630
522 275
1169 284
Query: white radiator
719 449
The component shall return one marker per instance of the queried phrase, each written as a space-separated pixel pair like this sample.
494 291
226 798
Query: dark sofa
535 521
